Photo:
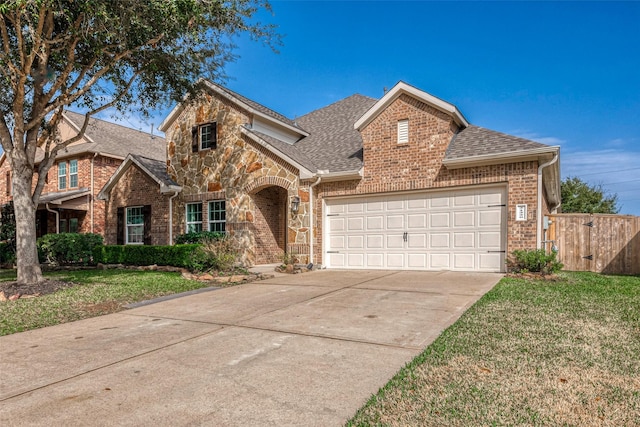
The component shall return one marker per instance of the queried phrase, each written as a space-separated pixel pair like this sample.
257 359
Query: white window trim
127 225
76 174
64 175
186 215
403 131
210 221
200 129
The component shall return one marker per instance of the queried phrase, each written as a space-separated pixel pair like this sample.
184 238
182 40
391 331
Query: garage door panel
355 242
375 222
438 230
489 218
439 220
375 260
395 260
417 241
464 261
440 240
440 261
464 219
375 241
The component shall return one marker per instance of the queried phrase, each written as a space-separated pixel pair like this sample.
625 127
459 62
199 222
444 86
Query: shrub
221 254
7 253
199 237
184 256
534 261
68 248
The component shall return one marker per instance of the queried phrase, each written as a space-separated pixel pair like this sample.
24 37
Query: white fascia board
70 197
421 95
328 176
164 126
490 159
304 172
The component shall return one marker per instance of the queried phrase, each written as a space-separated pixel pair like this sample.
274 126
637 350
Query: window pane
62 175
217 216
194 217
73 173
73 225
206 136
135 225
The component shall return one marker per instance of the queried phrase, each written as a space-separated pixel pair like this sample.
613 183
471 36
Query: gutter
311 203
92 191
540 217
57 214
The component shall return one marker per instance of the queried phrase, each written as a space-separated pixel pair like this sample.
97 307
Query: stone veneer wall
235 171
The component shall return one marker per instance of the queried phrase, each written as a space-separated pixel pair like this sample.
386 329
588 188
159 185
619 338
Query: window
73 225
204 137
217 216
73 173
135 226
403 131
62 175
194 217
63 226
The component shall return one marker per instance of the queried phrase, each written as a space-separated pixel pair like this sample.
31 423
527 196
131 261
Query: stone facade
257 186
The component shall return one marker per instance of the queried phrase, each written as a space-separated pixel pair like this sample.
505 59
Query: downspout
175 193
92 194
311 202
57 214
539 209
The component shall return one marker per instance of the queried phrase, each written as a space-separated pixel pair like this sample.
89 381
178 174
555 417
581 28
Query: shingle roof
333 143
293 151
63 196
477 141
259 107
114 139
157 168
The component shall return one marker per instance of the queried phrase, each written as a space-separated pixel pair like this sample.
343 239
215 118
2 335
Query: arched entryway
270 224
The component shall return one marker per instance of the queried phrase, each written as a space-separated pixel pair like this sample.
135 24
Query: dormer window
204 137
403 131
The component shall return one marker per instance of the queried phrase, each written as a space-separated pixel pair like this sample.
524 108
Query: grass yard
529 352
98 292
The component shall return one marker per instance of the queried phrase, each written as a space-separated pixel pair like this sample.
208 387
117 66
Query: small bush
534 261
199 237
7 253
221 254
68 248
185 256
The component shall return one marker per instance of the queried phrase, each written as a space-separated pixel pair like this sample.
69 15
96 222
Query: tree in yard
580 197
129 55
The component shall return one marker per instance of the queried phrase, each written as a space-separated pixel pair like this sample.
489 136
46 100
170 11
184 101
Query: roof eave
404 88
507 157
305 173
349 175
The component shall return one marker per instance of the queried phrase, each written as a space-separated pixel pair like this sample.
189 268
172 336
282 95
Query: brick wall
136 188
417 165
269 225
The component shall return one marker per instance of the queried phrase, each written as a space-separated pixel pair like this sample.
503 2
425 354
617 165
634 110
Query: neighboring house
68 202
400 182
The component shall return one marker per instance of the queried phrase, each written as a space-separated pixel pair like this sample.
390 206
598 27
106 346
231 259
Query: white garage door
461 230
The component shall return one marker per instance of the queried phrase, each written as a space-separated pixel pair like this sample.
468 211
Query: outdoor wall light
295 204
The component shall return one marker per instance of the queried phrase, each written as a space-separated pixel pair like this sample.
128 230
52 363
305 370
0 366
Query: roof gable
404 88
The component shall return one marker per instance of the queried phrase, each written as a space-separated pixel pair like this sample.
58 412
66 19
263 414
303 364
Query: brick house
400 182
68 202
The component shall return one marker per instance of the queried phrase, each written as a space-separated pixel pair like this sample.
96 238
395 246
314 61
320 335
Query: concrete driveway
304 349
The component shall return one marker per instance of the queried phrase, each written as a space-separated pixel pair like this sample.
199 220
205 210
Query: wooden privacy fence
597 242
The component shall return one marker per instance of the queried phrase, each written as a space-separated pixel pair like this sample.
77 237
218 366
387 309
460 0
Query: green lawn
529 352
99 292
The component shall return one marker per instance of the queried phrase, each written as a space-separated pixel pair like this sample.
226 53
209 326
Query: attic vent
403 131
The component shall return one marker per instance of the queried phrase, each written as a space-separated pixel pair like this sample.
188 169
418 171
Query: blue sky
561 73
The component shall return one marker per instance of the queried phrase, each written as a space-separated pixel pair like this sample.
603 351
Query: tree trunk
29 271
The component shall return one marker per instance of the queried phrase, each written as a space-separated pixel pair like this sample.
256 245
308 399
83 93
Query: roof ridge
336 102
115 124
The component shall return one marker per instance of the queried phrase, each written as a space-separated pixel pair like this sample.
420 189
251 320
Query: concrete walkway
306 349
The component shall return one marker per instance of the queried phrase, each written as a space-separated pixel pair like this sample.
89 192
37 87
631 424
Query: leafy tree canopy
580 197
131 55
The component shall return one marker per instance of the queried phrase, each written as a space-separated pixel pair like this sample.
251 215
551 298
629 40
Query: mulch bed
43 288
